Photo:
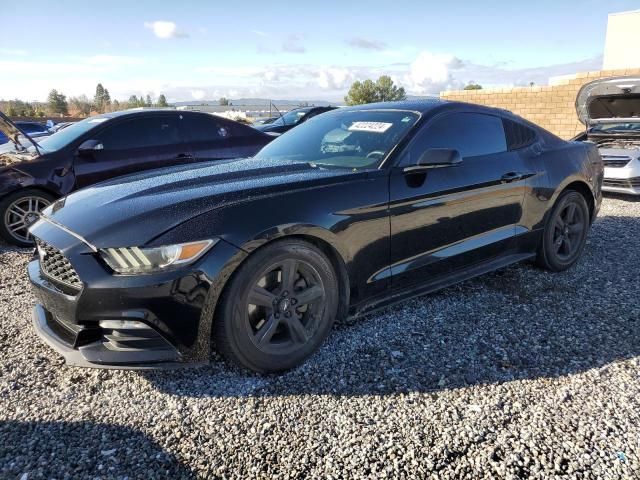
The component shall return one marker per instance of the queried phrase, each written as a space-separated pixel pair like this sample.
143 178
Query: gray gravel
518 374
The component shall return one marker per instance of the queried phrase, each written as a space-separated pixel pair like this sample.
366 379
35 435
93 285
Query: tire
270 320
565 233
17 211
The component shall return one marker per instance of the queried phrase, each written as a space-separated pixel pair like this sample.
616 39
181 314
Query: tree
80 105
106 100
148 102
12 111
473 86
382 90
132 102
98 99
162 101
223 101
387 91
57 103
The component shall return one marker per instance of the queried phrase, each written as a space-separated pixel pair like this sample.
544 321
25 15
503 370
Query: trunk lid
609 100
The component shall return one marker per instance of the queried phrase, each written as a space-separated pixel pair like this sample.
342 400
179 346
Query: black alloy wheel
278 308
566 232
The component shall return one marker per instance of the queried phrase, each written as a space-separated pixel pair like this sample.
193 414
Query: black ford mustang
351 211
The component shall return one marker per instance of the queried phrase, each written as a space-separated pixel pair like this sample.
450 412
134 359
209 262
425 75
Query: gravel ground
518 374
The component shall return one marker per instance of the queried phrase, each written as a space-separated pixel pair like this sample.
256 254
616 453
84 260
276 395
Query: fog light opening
122 324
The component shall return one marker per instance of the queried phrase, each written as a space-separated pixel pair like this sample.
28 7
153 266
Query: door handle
511 177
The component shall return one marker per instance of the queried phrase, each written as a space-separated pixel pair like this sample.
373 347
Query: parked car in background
33 129
351 211
610 110
291 119
265 121
60 126
33 172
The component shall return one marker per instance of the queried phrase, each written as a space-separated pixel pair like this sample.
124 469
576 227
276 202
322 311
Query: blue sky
292 49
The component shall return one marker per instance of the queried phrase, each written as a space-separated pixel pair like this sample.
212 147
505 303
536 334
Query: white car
610 110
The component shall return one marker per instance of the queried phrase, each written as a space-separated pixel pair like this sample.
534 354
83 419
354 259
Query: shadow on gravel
518 323
82 449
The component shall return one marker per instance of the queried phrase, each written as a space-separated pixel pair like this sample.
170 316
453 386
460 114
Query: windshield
64 137
629 127
291 118
343 138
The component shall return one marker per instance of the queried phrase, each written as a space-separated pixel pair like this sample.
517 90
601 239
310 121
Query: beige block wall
552 107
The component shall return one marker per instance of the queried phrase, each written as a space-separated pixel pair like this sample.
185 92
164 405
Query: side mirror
87 147
437 158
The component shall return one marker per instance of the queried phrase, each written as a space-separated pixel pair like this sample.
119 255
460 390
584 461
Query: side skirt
456 277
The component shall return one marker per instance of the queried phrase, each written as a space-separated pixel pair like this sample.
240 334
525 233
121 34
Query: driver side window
141 133
472 134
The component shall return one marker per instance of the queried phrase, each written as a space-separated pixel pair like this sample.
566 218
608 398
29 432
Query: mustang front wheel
278 308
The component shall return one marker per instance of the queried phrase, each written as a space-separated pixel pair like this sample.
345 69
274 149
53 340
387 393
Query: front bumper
623 177
132 322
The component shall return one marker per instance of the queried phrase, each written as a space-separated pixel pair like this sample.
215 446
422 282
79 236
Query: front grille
616 161
56 267
622 183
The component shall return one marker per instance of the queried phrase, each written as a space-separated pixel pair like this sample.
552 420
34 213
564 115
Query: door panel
133 145
443 219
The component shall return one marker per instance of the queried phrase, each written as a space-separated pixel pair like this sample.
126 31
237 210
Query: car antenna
273 105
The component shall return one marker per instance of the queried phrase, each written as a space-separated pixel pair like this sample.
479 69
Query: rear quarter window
518 135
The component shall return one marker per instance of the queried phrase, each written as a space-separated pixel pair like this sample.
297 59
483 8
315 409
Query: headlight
132 260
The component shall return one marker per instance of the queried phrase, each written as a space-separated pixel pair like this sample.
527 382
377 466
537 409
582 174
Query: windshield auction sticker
375 127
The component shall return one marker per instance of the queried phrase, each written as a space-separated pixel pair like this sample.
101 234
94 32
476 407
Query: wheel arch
320 242
584 189
29 186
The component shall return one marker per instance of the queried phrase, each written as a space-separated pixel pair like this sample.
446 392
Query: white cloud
430 73
198 94
336 78
365 43
13 52
260 33
112 60
165 29
293 44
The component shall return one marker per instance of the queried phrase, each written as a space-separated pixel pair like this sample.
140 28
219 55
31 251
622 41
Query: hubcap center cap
284 305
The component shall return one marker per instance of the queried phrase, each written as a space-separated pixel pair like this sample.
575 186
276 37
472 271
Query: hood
607 100
13 133
137 208
266 127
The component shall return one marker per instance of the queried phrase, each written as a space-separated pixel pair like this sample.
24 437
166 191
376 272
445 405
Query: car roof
143 111
434 106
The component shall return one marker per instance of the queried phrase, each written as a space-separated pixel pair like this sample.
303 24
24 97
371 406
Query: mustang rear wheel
565 233
278 308
18 211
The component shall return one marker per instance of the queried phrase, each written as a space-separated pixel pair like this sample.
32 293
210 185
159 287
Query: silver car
610 110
